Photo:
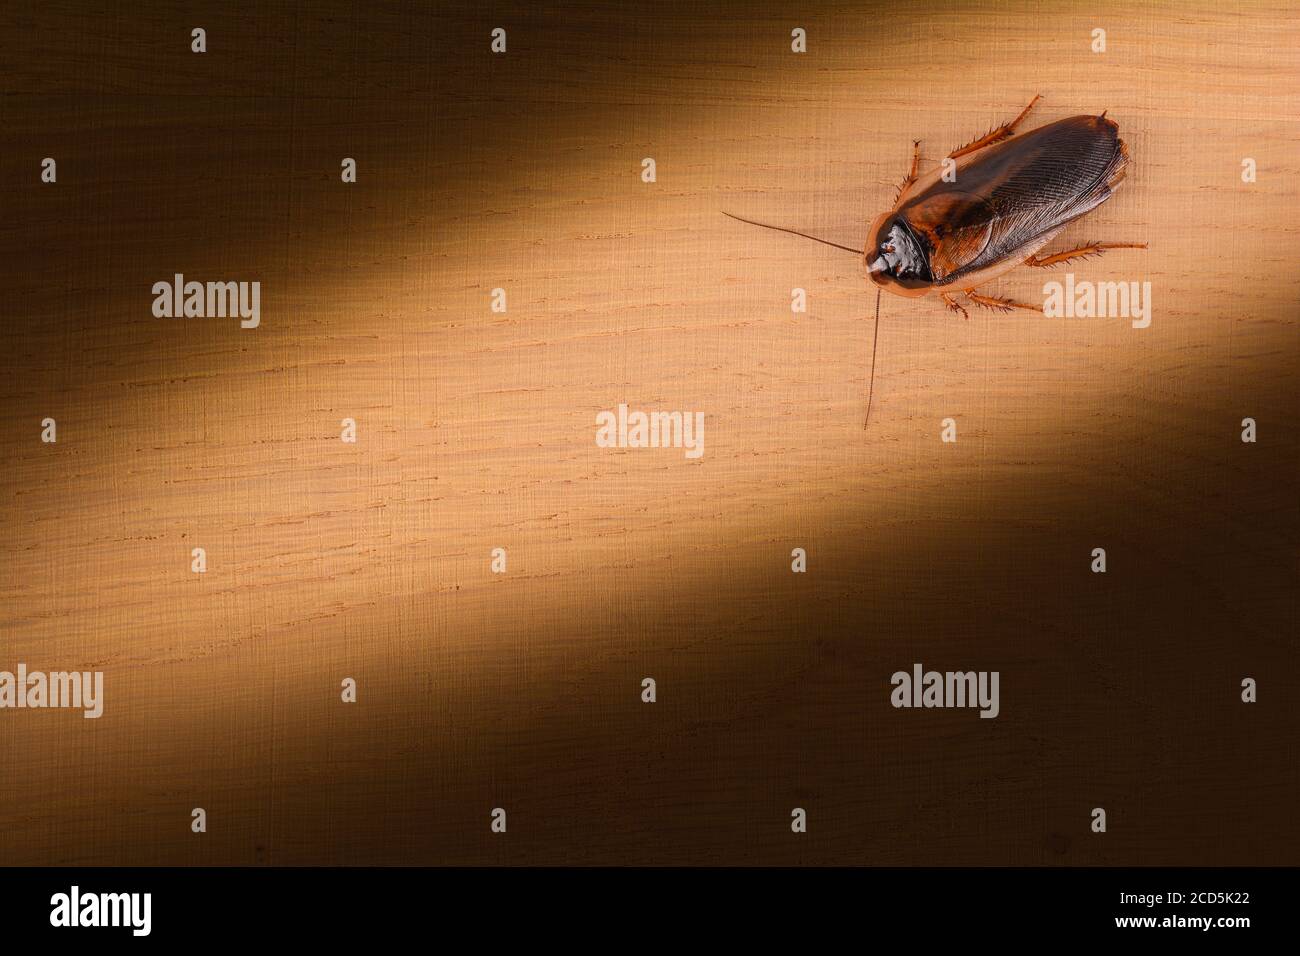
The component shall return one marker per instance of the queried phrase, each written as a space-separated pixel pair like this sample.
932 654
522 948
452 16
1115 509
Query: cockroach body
1000 200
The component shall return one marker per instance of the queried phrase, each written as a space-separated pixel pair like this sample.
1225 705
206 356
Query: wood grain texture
521 690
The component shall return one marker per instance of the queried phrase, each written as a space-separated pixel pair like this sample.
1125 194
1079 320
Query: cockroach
996 205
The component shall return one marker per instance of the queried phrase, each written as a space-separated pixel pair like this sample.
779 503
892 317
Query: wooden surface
476 431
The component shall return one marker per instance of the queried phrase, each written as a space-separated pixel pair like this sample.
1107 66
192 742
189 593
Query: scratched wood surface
476 431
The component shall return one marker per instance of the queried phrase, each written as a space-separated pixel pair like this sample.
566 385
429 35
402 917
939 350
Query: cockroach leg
996 304
1083 252
953 304
995 135
911 176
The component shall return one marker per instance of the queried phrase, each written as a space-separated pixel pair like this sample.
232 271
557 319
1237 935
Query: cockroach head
896 256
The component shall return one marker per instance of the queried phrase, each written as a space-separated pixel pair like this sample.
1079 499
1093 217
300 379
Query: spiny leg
995 135
996 304
953 304
1083 252
911 176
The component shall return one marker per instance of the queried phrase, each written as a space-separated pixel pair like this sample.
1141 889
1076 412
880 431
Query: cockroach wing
956 227
1013 194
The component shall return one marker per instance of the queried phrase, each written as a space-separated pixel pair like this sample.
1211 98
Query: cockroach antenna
875 334
875 340
794 232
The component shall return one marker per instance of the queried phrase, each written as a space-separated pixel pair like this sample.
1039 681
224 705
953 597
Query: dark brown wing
1017 192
